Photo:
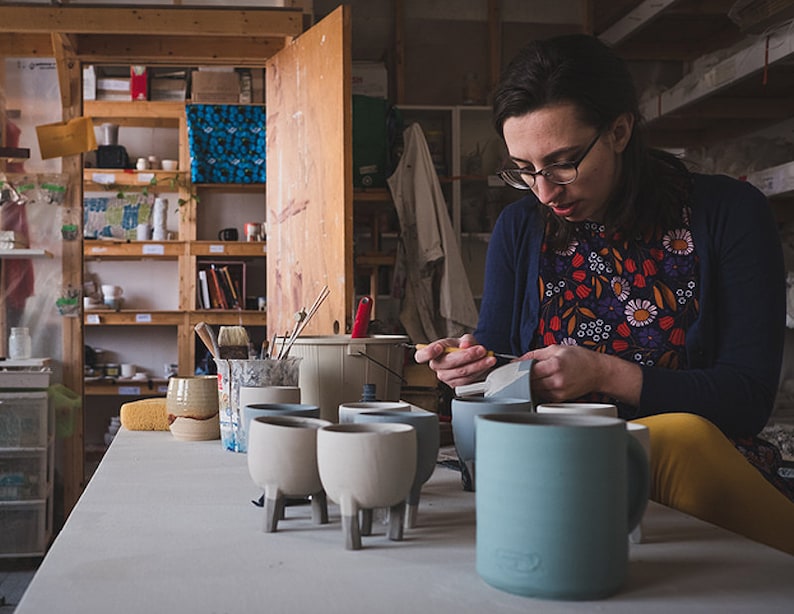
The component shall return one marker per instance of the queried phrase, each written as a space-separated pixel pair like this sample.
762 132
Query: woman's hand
567 372
468 364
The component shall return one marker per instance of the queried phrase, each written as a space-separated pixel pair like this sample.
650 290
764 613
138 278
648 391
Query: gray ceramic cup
427 444
557 496
464 411
257 410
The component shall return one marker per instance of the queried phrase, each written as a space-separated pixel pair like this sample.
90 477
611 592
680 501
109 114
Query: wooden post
70 81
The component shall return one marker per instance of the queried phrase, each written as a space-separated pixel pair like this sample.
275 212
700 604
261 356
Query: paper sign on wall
67 138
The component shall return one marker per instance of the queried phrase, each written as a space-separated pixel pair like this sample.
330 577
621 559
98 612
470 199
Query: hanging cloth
437 300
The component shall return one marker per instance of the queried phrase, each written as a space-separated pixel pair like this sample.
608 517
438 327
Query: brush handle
361 323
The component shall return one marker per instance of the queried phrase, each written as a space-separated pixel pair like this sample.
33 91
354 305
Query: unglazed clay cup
250 395
348 410
427 444
282 461
464 412
195 429
192 397
582 409
367 466
258 410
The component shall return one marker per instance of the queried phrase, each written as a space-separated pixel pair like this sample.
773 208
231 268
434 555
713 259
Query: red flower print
623 329
548 339
554 323
677 336
578 260
649 267
631 266
619 345
666 322
639 281
656 254
579 275
582 291
568 295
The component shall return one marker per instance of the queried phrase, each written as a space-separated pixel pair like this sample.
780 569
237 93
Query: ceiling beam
166 20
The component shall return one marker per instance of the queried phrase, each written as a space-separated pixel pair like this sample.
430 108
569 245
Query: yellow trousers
697 470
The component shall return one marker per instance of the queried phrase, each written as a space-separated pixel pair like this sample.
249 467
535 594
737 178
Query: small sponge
145 415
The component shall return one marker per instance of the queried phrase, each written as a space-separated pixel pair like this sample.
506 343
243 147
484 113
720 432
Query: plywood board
309 178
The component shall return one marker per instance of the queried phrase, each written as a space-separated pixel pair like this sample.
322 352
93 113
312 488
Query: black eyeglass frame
547 171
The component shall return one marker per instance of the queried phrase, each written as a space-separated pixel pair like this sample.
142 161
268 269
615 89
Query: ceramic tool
361 323
233 342
510 380
303 321
450 350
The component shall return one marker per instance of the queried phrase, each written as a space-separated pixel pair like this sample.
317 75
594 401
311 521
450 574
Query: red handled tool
361 323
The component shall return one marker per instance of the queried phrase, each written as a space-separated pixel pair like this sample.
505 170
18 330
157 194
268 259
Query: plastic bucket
334 369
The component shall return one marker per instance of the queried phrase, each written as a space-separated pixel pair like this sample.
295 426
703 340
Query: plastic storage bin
24 476
25 531
23 419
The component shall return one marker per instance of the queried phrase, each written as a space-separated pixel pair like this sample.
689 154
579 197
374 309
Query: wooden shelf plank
227 317
135 113
108 317
24 253
135 388
248 249
101 179
763 52
132 250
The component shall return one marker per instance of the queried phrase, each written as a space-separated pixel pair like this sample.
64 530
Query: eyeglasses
560 173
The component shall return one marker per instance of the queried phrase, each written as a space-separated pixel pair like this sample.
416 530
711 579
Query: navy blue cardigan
734 348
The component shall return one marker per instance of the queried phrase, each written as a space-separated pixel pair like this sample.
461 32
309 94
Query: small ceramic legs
274 510
356 525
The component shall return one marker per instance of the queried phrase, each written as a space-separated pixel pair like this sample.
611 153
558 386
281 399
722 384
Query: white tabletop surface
168 526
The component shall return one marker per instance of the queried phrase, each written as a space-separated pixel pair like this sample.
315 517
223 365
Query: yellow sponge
145 415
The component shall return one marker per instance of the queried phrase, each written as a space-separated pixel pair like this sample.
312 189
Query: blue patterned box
227 143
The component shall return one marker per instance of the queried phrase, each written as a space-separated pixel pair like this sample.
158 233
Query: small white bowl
169 165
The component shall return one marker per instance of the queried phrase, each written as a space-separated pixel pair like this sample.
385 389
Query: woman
629 279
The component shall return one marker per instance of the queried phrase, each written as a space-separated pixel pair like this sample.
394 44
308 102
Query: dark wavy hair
581 70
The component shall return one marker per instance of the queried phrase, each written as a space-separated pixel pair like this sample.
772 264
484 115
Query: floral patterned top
634 299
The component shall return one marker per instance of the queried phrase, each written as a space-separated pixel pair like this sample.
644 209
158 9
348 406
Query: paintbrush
207 335
233 342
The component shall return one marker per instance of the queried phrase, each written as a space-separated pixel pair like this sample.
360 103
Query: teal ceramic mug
557 496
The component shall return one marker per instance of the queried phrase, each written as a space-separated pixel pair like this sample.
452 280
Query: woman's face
556 134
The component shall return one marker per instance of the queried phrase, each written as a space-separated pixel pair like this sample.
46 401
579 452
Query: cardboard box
370 79
66 138
167 89
215 86
139 83
113 84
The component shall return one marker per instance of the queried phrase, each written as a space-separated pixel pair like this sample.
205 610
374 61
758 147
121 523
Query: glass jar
19 344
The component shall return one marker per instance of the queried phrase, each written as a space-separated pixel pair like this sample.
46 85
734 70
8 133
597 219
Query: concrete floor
15 575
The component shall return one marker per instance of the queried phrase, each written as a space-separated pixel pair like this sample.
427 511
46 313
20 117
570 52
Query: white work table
168 526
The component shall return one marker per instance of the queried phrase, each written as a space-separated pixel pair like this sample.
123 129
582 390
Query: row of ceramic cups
378 456
557 492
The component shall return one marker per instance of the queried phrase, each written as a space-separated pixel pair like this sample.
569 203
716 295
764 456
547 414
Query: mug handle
639 481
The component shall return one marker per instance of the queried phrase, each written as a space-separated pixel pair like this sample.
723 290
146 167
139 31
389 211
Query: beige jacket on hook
438 301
